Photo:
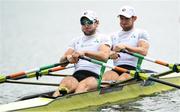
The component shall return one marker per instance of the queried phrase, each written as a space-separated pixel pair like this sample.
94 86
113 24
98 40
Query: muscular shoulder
76 39
74 42
104 39
140 31
114 36
142 34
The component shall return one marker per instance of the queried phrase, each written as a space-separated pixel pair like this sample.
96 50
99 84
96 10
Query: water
164 102
13 92
35 33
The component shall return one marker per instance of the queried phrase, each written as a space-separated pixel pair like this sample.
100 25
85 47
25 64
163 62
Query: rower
129 38
91 44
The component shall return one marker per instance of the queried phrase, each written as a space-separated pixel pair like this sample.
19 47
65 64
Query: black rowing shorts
126 67
82 74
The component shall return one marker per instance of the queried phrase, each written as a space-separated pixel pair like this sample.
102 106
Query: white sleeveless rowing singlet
89 43
130 38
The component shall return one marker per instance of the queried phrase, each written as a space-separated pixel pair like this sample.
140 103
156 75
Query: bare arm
67 54
102 54
142 47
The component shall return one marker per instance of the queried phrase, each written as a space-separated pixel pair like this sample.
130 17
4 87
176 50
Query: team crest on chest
96 41
133 36
82 45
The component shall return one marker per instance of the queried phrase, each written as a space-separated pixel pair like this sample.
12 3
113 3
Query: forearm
66 54
140 50
101 56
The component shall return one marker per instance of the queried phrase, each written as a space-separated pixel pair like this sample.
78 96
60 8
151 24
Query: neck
128 29
90 35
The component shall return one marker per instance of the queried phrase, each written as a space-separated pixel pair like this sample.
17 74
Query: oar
43 72
31 83
174 67
58 75
112 83
133 73
32 71
163 73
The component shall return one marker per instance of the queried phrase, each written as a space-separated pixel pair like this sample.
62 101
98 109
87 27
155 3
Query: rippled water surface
164 102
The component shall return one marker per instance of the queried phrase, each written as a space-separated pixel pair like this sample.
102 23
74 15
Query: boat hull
94 98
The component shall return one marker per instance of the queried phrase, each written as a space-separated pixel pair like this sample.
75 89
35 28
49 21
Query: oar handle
85 58
92 60
132 54
60 64
126 51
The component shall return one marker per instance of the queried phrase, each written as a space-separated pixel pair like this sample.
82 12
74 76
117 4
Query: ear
97 22
134 18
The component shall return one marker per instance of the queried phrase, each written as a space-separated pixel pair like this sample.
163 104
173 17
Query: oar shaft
104 64
15 75
60 68
33 72
146 58
121 69
30 83
163 73
164 82
11 76
43 72
58 75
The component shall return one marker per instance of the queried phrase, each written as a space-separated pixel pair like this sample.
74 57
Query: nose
122 21
86 25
